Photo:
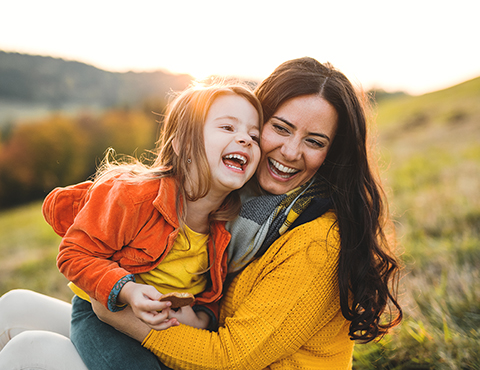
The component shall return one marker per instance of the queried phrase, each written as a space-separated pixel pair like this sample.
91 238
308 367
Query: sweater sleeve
294 295
106 223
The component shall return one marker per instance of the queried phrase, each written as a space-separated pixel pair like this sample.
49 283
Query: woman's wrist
203 320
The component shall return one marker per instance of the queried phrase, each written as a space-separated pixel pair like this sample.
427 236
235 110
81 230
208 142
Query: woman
326 281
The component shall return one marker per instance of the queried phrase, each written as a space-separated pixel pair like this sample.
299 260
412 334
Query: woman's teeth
285 171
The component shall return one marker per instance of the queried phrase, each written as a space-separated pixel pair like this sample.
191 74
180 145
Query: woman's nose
290 150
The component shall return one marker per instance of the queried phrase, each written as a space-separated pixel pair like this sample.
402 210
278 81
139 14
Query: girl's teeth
241 158
231 166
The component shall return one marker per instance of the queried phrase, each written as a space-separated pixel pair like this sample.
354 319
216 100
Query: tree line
60 150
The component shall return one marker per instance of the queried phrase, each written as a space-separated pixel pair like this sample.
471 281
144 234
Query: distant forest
59 83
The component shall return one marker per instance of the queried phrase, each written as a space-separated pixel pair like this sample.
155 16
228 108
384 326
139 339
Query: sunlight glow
415 46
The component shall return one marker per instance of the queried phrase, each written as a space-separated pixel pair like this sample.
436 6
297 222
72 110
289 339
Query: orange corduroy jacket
118 228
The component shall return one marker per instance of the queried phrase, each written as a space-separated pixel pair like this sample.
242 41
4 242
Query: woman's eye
280 129
255 138
316 143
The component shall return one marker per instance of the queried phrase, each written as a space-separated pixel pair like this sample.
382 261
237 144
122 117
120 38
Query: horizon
414 47
164 70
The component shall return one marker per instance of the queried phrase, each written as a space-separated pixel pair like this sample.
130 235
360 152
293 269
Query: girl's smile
231 135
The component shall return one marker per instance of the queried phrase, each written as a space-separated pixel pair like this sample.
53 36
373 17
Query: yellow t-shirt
182 269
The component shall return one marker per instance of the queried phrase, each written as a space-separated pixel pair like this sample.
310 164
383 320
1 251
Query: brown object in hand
178 299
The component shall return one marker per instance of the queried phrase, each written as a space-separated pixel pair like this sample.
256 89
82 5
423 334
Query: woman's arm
126 321
290 294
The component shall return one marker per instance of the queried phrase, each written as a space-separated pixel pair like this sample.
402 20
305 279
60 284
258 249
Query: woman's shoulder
318 228
317 239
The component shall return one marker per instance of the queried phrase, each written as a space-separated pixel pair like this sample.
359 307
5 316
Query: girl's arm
144 303
108 222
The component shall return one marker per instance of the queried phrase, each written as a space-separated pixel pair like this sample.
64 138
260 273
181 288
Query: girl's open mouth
235 161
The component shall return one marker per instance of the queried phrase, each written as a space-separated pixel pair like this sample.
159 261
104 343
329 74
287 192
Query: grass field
28 247
430 163
430 151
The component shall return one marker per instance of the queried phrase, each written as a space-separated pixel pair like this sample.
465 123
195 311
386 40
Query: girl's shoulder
135 189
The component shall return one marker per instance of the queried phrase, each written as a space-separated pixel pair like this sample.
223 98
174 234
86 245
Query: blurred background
78 78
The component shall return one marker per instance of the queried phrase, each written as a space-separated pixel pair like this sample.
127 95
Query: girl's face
231 134
295 142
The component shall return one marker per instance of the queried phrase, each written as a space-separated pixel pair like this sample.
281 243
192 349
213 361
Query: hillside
32 84
430 162
448 118
430 156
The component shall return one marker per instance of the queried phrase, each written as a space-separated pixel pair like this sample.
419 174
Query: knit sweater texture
281 312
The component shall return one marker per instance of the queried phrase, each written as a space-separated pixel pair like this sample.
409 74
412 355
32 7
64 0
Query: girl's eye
227 127
255 138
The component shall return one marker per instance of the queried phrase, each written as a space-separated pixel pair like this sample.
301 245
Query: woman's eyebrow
285 121
294 127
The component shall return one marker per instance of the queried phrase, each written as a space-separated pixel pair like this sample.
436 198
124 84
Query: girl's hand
185 315
126 322
143 300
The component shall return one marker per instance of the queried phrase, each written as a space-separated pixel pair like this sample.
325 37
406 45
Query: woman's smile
280 170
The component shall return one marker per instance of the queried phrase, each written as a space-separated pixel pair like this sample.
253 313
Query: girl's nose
244 139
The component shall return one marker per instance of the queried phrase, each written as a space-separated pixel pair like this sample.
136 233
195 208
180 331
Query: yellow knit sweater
281 312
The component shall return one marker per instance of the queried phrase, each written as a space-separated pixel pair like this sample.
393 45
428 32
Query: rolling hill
31 85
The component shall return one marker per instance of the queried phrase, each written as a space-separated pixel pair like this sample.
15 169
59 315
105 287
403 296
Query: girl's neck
199 210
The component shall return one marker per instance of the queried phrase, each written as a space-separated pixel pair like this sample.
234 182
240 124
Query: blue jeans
102 347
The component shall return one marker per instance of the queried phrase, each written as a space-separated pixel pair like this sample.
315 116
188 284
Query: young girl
138 231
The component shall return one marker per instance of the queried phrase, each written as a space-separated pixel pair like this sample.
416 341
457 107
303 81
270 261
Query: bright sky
416 46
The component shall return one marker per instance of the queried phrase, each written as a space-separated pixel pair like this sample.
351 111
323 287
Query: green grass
450 106
430 146
28 247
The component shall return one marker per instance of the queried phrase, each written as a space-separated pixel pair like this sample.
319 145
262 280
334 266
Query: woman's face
295 142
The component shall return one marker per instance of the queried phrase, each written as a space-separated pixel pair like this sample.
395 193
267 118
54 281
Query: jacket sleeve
295 296
107 221
62 204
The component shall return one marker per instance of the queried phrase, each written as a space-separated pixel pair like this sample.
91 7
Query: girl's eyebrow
233 118
227 117
291 125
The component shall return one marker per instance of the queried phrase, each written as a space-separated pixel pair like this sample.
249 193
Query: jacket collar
166 200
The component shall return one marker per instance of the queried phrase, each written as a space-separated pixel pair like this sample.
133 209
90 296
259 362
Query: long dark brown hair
368 270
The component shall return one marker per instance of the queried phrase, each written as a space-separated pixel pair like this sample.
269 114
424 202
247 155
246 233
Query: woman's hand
126 321
185 315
